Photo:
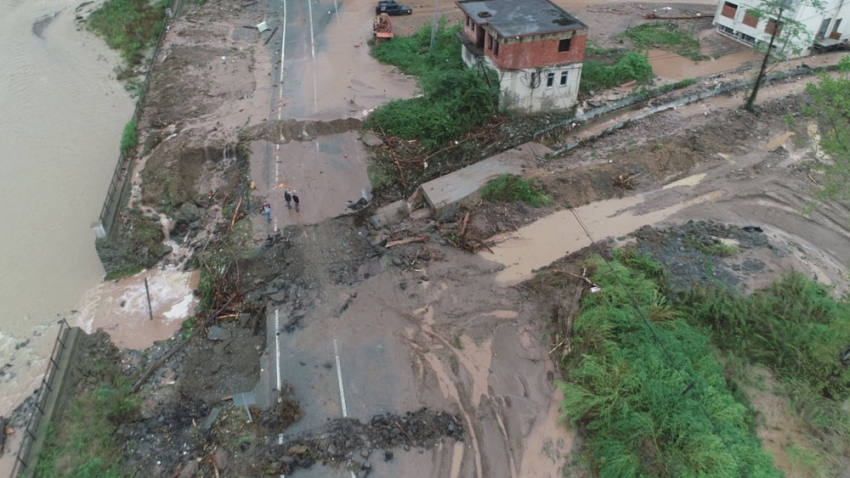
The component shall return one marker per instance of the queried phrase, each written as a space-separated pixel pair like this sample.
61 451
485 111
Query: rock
243 319
378 239
296 450
388 455
220 458
371 139
375 221
189 211
189 470
279 297
449 213
218 333
366 465
364 453
202 236
331 450
286 459
166 250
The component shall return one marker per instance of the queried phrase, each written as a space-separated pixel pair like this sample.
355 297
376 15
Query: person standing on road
287 198
295 200
267 210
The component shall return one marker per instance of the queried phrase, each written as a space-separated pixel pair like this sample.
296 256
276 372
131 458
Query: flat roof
521 17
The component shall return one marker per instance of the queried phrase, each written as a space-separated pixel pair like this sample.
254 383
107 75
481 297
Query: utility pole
434 27
749 105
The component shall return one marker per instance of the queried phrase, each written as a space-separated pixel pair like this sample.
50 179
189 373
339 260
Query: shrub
128 137
512 188
453 98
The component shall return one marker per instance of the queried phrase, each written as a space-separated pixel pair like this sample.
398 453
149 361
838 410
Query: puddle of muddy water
121 308
688 181
555 236
670 66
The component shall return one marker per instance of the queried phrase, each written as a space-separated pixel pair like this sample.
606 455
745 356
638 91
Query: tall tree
831 108
788 36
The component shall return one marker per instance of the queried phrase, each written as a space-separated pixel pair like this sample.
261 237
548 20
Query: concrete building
825 27
536 47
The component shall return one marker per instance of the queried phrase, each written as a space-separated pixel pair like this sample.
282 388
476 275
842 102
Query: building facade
825 26
536 47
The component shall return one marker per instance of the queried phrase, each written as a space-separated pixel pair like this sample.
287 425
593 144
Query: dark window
563 78
835 27
564 45
729 10
550 79
489 42
496 48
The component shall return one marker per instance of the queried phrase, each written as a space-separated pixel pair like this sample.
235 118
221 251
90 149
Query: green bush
641 406
665 34
453 98
128 137
512 188
596 75
129 26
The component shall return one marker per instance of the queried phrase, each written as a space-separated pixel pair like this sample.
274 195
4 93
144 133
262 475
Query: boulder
218 333
220 458
189 470
189 211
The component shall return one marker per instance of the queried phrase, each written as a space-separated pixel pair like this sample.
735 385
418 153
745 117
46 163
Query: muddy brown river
61 117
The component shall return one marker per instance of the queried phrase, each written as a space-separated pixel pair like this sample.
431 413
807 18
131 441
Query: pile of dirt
685 252
350 444
284 131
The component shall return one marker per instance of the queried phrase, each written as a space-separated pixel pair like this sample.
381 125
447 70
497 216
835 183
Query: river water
61 117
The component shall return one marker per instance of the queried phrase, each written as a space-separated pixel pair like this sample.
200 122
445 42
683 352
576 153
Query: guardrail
45 390
105 224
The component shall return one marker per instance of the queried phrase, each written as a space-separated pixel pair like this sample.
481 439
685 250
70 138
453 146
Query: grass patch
716 249
512 188
453 98
598 75
664 35
129 26
82 443
379 178
128 137
642 406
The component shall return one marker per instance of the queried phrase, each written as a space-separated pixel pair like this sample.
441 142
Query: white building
826 28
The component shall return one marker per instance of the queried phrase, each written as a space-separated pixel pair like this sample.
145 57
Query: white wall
518 93
805 14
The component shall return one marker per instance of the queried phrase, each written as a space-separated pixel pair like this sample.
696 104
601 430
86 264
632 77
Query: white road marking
282 48
313 54
339 378
277 348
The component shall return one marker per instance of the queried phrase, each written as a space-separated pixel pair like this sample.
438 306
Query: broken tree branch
235 214
463 224
409 240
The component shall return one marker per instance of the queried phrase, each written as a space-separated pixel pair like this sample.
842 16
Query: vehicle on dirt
391 7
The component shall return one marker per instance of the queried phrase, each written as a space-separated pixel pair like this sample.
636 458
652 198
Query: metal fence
45 390
118 186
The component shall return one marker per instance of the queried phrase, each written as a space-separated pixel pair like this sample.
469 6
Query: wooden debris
463 225
409 240
235 214
624 181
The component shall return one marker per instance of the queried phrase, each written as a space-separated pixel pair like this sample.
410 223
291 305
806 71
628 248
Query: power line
657 339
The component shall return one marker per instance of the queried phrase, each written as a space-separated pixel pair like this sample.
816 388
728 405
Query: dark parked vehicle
390 7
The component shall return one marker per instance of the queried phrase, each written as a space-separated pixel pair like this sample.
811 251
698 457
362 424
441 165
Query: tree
831 106
787 35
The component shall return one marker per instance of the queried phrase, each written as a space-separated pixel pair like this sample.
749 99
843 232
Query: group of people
288 196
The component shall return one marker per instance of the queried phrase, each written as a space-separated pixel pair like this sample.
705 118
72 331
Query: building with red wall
536 47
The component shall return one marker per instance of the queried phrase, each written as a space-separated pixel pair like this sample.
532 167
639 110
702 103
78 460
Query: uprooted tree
788 35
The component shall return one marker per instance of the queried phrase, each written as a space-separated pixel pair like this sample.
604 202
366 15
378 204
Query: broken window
729 10
563 78
564 44
550 79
